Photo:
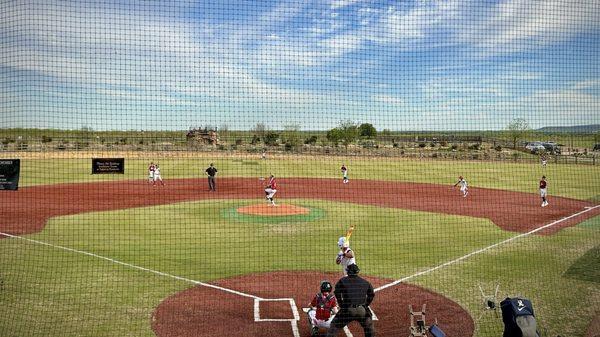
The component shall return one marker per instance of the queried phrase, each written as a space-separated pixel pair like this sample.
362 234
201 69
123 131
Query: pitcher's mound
269 210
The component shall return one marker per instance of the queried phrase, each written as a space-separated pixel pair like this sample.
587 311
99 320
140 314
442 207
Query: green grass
532 267
581 182
93 297
587 267
47 291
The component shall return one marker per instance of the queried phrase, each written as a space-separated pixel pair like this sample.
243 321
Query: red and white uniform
151 170
271 190
543 190
323 304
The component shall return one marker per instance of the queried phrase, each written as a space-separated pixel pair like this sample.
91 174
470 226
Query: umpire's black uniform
354 295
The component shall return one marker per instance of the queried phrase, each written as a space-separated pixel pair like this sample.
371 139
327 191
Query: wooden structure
206 136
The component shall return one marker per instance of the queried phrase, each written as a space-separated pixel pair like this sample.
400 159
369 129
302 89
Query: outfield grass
55 292
581 182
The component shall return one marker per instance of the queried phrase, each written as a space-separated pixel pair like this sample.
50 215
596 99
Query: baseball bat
349 233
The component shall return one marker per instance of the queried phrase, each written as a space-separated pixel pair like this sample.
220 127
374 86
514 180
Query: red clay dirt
270 210
204 312
27 210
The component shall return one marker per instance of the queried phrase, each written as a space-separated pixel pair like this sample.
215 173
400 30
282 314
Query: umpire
354 295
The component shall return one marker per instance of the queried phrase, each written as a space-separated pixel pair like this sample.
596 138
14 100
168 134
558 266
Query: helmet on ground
342 242
326 287
352 269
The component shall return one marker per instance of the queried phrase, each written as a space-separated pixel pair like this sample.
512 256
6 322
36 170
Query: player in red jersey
345 174
323 308
543 191
271 189
151 170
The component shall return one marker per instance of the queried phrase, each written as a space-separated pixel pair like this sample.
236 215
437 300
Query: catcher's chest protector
518 318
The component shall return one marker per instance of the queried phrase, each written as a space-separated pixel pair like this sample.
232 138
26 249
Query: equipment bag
518 318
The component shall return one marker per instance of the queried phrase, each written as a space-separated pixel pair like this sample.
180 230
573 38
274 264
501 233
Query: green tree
367 130
334 136
517 129
271 138
349 132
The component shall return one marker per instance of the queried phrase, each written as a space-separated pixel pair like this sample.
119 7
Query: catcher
323 308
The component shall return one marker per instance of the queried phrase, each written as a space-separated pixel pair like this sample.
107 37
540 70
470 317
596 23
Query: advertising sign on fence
9 174
108 165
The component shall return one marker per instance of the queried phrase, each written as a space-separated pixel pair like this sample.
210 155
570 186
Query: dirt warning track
28 209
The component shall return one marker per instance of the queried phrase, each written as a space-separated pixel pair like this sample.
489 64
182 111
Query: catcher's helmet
326 286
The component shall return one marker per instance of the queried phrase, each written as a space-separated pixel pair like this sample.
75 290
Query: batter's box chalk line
293 321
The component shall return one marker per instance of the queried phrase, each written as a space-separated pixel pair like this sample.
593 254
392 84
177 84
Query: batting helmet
342 242
326 287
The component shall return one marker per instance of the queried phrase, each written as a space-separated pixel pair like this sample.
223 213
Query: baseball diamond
183 312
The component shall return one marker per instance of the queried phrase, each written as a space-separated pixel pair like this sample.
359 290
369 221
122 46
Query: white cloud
337 4
517 25
388 99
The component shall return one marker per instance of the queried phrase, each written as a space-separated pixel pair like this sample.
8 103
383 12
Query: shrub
443 143
239 141
312 140
46 139
434 155
454 147
8 140
422 145
271 138
498 148
475 146
432 144
255 140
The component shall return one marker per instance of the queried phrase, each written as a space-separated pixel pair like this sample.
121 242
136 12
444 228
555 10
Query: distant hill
591 128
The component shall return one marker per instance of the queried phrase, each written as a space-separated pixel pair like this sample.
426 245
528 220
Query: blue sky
401 65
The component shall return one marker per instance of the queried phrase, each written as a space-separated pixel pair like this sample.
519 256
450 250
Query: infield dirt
28 209
202 311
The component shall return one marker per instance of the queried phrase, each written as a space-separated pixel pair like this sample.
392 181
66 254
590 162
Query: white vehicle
535 147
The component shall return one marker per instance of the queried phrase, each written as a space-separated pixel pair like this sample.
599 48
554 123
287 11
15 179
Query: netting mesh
199 168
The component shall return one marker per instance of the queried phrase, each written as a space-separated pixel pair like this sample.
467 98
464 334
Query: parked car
535 147
551 147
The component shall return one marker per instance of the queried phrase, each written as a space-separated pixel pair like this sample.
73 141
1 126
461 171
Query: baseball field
111 255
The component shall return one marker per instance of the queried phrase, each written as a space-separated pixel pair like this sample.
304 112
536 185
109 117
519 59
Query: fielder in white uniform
463 186
157 176
346 255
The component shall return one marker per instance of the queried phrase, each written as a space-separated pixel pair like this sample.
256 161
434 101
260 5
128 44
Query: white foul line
404 279
180 278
